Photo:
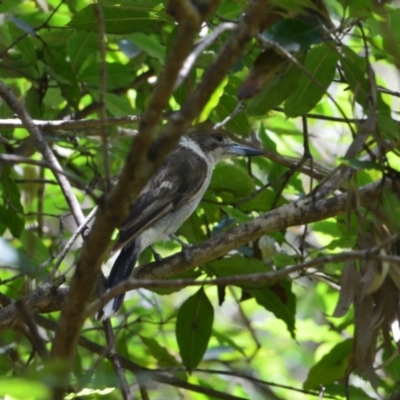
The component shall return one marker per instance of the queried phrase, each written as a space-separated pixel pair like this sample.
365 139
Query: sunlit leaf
321 63
332 367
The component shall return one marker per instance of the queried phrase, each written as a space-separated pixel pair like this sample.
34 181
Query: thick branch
50 126
135 174
301 212
297 213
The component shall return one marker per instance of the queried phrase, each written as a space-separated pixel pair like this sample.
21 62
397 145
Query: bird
168 199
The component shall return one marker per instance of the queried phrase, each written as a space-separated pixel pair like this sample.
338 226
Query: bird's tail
121 270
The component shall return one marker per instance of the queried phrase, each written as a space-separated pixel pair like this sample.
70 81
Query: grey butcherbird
169 198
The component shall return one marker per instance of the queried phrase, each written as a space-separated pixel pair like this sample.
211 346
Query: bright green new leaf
23 389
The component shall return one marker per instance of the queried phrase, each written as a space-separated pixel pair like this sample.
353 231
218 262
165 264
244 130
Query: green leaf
117 75
275 92
354 69
225 339
332 366
80 46
261 202
117 20
150 45
236 265
231 182
321 63
160 353
283 306
118 106
24 389
33 247
193 328
240 123
294 34
12 212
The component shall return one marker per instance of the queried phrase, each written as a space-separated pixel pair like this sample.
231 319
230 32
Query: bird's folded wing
176 182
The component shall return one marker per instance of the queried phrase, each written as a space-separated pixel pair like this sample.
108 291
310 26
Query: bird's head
217 145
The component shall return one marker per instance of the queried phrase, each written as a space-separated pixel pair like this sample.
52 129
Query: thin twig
82 229
206 42
114 357
45 149
37 340
254 278
98 12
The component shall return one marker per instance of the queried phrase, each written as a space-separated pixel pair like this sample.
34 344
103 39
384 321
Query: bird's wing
177 181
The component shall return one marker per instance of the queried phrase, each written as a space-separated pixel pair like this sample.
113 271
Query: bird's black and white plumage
169 198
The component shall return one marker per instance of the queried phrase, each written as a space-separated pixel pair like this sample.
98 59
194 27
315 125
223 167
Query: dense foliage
86 88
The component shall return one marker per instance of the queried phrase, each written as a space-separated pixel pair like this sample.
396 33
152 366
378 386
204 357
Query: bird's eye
219 137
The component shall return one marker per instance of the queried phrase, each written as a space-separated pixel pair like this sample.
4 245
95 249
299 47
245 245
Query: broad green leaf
226 339
332 366
283 306
117 75
11 212
24 45
117 20
118 106
80 46
275 92
261 202
294 34
341 390
236 265
23 389
193 328
191 229
34 248
160 353
321 63
150 45
240 123
60 70
354 69
231 182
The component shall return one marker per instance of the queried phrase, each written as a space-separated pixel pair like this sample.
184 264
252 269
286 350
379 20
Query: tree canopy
291 287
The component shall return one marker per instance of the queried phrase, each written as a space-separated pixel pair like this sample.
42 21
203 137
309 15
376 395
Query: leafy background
317 77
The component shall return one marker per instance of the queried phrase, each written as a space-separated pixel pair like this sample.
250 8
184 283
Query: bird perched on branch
168 199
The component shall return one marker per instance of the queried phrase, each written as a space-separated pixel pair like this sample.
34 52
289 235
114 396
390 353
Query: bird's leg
157 257
185 246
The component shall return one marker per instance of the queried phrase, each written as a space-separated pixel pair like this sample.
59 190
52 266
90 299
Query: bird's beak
242 150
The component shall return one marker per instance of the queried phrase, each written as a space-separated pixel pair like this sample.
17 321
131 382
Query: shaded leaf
11 212
294 34
193 328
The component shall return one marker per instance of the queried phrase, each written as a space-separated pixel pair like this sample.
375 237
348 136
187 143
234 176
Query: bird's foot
157 257
185 247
